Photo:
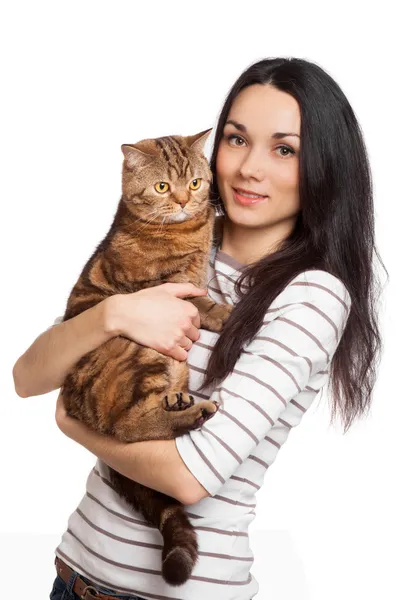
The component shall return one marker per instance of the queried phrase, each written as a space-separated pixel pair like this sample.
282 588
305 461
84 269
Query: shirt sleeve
298 338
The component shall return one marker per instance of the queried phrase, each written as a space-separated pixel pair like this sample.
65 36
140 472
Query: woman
294 255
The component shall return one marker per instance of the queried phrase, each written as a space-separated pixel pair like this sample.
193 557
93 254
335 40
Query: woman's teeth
249 195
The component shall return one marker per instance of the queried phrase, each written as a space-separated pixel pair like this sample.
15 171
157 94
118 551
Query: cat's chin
179 217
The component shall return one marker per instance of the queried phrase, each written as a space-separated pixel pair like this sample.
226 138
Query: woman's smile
246 199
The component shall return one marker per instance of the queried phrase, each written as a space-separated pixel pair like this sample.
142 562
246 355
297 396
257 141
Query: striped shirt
274 382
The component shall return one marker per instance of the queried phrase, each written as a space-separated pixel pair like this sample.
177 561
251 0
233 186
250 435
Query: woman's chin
241 215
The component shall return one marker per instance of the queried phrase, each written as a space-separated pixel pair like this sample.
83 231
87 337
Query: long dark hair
334 231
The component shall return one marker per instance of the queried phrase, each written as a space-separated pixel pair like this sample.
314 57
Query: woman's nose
252 167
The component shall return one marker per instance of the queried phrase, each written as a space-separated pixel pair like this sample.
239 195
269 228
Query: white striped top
274 382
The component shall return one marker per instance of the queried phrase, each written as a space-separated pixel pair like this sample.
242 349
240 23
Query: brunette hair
334 231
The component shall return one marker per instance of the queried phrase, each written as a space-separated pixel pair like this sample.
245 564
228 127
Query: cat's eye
161 187
195 184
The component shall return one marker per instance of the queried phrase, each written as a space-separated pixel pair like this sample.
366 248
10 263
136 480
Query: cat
162 232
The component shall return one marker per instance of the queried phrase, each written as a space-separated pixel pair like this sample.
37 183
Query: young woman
294 254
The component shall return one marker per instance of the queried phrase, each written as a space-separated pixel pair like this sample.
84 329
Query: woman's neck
248 245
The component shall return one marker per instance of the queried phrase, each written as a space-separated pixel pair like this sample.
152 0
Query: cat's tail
180 551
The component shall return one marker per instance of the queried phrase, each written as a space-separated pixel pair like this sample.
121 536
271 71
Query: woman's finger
193 333
180 290
185 343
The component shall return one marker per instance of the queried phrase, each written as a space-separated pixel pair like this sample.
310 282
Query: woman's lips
244 201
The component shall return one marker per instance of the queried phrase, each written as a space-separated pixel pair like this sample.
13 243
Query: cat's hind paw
177 401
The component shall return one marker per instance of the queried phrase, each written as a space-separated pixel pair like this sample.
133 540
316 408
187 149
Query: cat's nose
182 201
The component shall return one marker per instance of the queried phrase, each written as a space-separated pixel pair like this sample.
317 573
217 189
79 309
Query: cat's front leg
212 315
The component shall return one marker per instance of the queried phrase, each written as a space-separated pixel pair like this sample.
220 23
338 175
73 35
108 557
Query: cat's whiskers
155 213
161 226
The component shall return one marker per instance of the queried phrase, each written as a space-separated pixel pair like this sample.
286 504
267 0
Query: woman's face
254 156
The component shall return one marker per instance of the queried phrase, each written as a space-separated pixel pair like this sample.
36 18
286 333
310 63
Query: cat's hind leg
154 419
164 409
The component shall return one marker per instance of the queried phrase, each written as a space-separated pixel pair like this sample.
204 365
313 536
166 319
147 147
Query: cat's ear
133 156
196 142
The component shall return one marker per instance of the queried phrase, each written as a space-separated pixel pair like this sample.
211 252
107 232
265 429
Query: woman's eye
230 137
288 150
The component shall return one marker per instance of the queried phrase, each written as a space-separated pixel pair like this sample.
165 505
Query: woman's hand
158 318
97 443
65 423
77 430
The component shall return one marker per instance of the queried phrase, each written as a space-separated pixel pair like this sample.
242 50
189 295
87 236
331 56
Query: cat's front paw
177 401
216 318
224 311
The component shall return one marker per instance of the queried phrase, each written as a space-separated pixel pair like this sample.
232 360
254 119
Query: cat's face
166 180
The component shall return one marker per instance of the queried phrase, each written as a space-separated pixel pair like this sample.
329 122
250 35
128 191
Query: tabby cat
162 232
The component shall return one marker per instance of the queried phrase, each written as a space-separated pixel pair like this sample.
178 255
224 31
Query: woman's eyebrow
278 135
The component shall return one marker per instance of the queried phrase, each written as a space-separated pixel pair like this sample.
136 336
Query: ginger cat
162 232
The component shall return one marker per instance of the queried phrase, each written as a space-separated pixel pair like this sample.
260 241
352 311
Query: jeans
63 591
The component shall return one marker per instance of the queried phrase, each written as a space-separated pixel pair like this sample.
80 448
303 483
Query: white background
78 80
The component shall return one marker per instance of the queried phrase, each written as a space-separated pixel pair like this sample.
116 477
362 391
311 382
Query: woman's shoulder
317 286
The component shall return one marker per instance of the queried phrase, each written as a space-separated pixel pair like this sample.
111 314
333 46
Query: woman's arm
155 317
155 464
296 341
45 364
